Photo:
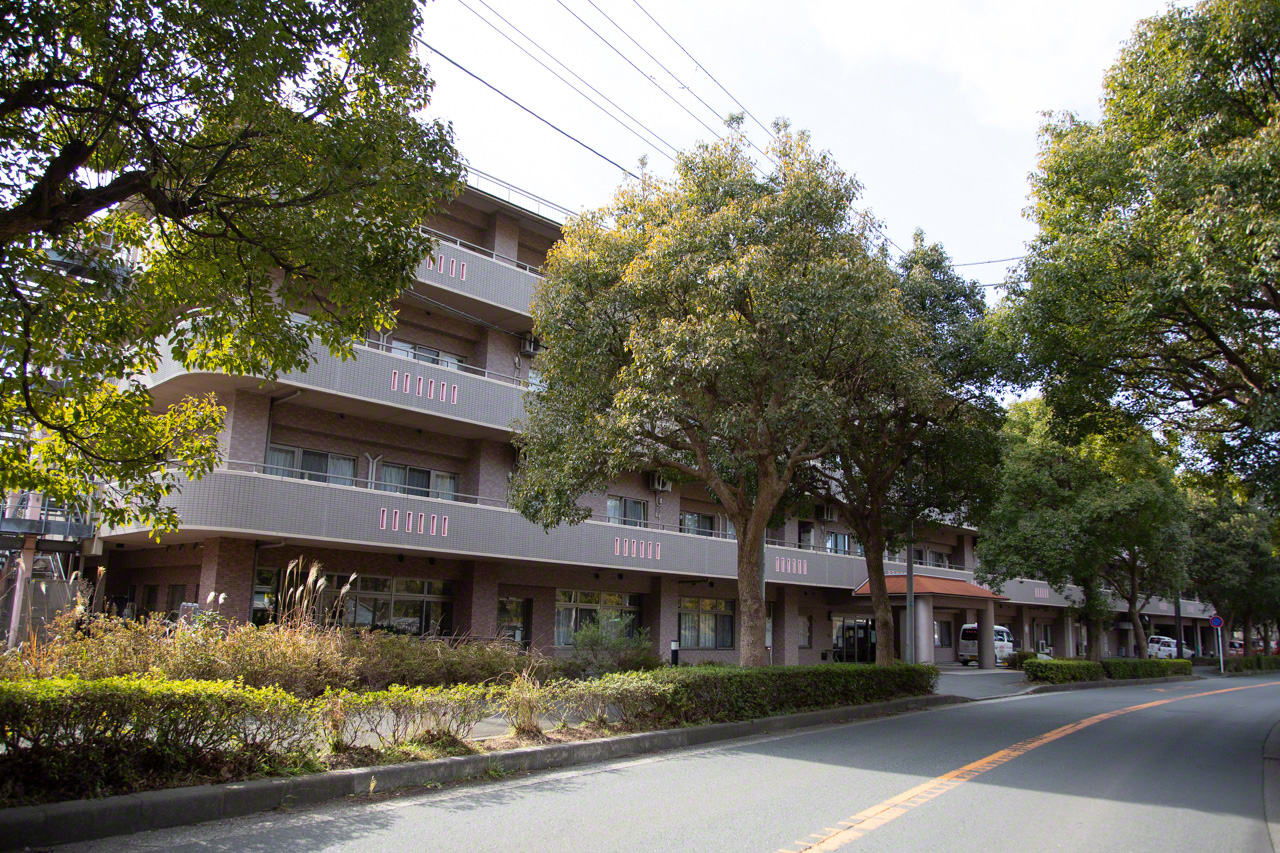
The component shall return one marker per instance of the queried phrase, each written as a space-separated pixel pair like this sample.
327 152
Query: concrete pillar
786 625
987 636
503 236
244 429
659 612
924 629
1063 644
476 608
1022 628
542 629
226 572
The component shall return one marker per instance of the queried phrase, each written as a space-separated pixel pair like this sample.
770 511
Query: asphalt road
1085 770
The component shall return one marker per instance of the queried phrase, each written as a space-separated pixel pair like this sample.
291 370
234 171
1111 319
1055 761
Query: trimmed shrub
1257 663
1017 659
67 738
1149 668
721 694
603 647
1063 671
400 715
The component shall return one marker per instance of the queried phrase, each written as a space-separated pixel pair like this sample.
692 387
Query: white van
1167 647
968 648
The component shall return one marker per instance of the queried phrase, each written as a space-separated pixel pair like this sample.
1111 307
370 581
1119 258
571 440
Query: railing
16 516
386 349
481 250
501 189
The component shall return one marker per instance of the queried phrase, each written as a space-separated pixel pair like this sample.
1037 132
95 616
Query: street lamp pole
909 644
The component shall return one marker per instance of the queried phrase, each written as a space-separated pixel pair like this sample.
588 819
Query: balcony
479 282
461 401
251 503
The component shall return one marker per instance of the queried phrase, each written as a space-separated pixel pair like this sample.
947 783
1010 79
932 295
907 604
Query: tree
918 434
697 328
1232 560
1103 515
1153 281
194 176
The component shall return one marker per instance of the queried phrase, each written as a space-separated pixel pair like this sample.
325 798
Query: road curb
1271 785
87 820
1110 682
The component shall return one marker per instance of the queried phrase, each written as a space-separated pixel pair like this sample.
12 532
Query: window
942 635
264 596
285 461
706 623
698 523
404 605
150 597
806 535
938 559
578 608
427 355
177 593
839 543
513 619
806 632
628 511
408 480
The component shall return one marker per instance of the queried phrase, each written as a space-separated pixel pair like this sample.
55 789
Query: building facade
393 467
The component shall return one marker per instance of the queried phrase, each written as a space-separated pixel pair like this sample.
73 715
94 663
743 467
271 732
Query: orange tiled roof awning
929 585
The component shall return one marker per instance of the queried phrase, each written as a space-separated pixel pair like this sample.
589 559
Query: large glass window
285 461
578 608
405 605
839 543
513 619
706 623
806 631
427 355
408 480
698 523
942 634
628 511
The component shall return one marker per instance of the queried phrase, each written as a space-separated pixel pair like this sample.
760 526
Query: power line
566 82
495 89
671 73
984 263
639 70
700 68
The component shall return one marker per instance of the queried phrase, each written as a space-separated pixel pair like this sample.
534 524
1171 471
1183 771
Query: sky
934 106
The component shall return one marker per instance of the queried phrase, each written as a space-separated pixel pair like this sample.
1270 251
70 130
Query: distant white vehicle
968 648
1166 647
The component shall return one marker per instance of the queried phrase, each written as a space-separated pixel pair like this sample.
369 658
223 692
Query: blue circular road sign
1216 621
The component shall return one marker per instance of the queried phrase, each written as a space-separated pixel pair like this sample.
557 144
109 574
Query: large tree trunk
874 548
1139 633
751 609
1248 635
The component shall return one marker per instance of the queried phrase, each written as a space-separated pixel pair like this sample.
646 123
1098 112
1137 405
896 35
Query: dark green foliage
1150 668
1063 671
721 694
1017 659
67 738
1257 663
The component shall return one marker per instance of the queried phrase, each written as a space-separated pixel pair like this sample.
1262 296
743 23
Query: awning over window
929 585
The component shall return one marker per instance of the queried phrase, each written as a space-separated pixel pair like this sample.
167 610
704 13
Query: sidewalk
973 683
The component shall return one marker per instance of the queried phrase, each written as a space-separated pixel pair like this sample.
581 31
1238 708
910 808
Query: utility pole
909 637
1177 621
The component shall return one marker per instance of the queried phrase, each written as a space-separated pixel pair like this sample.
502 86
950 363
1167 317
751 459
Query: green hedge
1151 668
1257 663
1017 659
1063 671
720 694
68 739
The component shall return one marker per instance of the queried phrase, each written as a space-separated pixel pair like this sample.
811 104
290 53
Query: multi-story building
393 466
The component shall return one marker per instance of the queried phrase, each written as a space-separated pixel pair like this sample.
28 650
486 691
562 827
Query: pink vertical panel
657 550
422 517
433 524
442 263
382 519
395 519
454 396
648 551
395 379
463 276
777 564
407 380
633 547
419 386
453 267
444 525
431 389
617 546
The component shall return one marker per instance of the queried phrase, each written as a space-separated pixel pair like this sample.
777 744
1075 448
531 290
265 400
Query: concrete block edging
86 820
1110 682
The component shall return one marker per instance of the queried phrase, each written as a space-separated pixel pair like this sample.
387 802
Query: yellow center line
878 815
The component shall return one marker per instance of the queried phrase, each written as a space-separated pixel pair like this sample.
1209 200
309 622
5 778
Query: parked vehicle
1167 647
968 648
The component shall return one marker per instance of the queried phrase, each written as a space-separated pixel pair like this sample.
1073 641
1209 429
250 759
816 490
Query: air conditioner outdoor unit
659 483
530 345
827 512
